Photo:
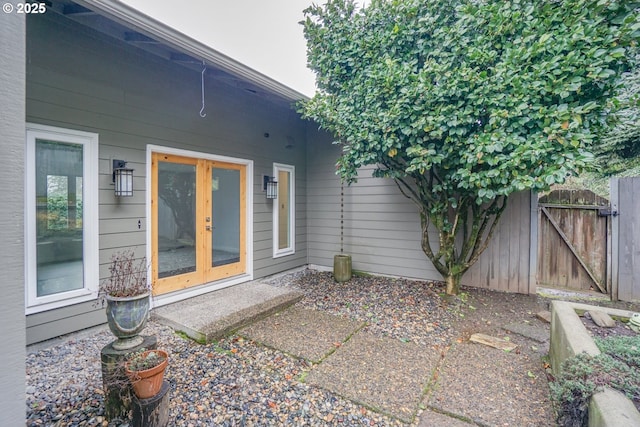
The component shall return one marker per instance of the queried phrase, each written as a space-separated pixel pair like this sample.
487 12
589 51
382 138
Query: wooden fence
625 238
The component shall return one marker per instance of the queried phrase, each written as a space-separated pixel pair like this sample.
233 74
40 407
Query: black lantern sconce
122 179
270 185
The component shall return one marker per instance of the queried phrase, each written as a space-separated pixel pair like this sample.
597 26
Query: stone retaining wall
569 337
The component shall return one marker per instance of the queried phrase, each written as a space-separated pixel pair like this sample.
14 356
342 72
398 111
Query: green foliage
617 367
625 349
619 149
463 102
145 359
54 218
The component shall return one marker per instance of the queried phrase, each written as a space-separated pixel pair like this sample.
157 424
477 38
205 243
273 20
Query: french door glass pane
176 219
59 232
225 216
284 209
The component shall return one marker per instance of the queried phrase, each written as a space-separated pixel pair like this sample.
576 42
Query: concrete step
216 314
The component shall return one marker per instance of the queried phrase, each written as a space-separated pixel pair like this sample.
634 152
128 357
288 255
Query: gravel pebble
405 309
235 382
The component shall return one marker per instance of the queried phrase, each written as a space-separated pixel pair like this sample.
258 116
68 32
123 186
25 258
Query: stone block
610 408
568 335
544 315
602 319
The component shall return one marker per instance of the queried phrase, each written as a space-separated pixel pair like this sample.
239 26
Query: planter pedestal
342 268
117 387
154 411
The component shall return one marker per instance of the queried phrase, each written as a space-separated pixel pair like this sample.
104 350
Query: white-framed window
61 217
284 211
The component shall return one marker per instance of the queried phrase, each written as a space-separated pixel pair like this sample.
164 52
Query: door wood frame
208 279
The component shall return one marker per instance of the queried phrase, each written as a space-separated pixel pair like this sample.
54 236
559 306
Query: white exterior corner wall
80 79
12 129
382 229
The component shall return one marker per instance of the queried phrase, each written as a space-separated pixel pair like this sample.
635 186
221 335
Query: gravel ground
235 382
620 330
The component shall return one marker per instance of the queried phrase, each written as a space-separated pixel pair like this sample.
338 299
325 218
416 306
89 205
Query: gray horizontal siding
79 79
382 229
12 126
381 226
43 326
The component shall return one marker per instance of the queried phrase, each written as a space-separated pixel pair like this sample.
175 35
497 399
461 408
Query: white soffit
131 17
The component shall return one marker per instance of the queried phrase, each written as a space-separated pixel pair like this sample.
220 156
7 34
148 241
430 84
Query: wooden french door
198 217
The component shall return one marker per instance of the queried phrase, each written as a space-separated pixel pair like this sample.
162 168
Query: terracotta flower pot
147 383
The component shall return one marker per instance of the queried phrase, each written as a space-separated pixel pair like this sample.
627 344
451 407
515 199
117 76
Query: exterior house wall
382 229
381 226
80 79
12 94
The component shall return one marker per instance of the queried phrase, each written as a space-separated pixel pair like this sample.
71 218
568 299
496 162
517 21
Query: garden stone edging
568 338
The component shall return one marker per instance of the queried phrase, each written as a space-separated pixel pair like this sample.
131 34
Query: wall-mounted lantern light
270 185
123 179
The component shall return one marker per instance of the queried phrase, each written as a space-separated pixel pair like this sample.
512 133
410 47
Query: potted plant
145 370
126 292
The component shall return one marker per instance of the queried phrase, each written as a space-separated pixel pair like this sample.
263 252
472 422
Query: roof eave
130 16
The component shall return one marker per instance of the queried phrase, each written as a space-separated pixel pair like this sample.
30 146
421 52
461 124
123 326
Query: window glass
284 211
226 217
176 219
61 225
58 217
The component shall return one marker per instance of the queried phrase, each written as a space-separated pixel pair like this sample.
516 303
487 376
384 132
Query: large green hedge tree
463 102
619 149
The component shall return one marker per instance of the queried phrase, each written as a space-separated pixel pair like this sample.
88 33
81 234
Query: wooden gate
572 243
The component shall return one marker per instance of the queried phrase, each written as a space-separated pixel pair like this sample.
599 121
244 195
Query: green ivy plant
464 102
618 367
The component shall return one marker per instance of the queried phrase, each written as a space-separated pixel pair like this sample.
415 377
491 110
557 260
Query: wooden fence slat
625 239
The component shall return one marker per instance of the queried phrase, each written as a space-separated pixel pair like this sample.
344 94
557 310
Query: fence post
614 239
614 191
533 244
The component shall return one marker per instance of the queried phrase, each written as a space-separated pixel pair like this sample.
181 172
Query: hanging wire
204 68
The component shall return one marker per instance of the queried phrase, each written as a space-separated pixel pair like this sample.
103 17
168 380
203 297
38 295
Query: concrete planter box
569 337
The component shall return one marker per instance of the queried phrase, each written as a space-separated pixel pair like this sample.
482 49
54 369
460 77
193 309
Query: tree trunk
453 284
